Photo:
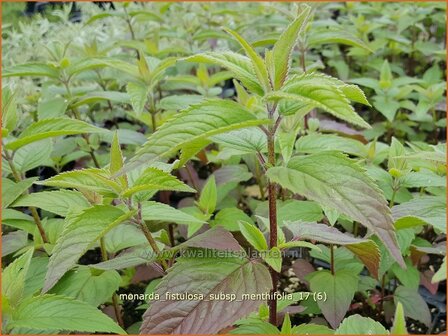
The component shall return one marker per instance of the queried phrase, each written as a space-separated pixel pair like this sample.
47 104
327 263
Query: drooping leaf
95 97
216 238
365 249
334 35
31 69
334 181
129 258
154 211
206 276
340 289
92 179
80 234
311 89
153 179
420 211
359 325
281 52
48 128
58 202
60 313
198 122
240 66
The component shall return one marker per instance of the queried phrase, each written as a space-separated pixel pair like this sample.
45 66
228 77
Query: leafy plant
212 173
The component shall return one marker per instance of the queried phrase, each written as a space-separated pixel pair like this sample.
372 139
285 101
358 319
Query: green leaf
229 218
60 313
53 107
249 140
420 211
216 238
440 275
359 325
179 102
13 278
139 95
12 190
81 232
340 289
253 235
240 66
59 202
255 327
316 143
385 76
130 258
334 181
153 179
117 161
298 243
87 285
95 97
399 326
273 258
33 155
207 200
154 211
414 305
92 179
199 122
31 69
311 329
9 109
311 89
206 276
336 35
286 326
395 160
410 277
48 128
281 52
366 250
257 61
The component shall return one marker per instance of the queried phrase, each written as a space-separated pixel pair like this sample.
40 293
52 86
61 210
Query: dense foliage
256 168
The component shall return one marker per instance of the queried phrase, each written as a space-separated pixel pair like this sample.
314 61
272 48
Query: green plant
243 182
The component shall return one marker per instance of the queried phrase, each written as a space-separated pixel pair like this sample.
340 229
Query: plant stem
33 210
272 200
131 29
115 303
383 284
392 199
148 235
332 259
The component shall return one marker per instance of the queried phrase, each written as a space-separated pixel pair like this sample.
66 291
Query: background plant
249 148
